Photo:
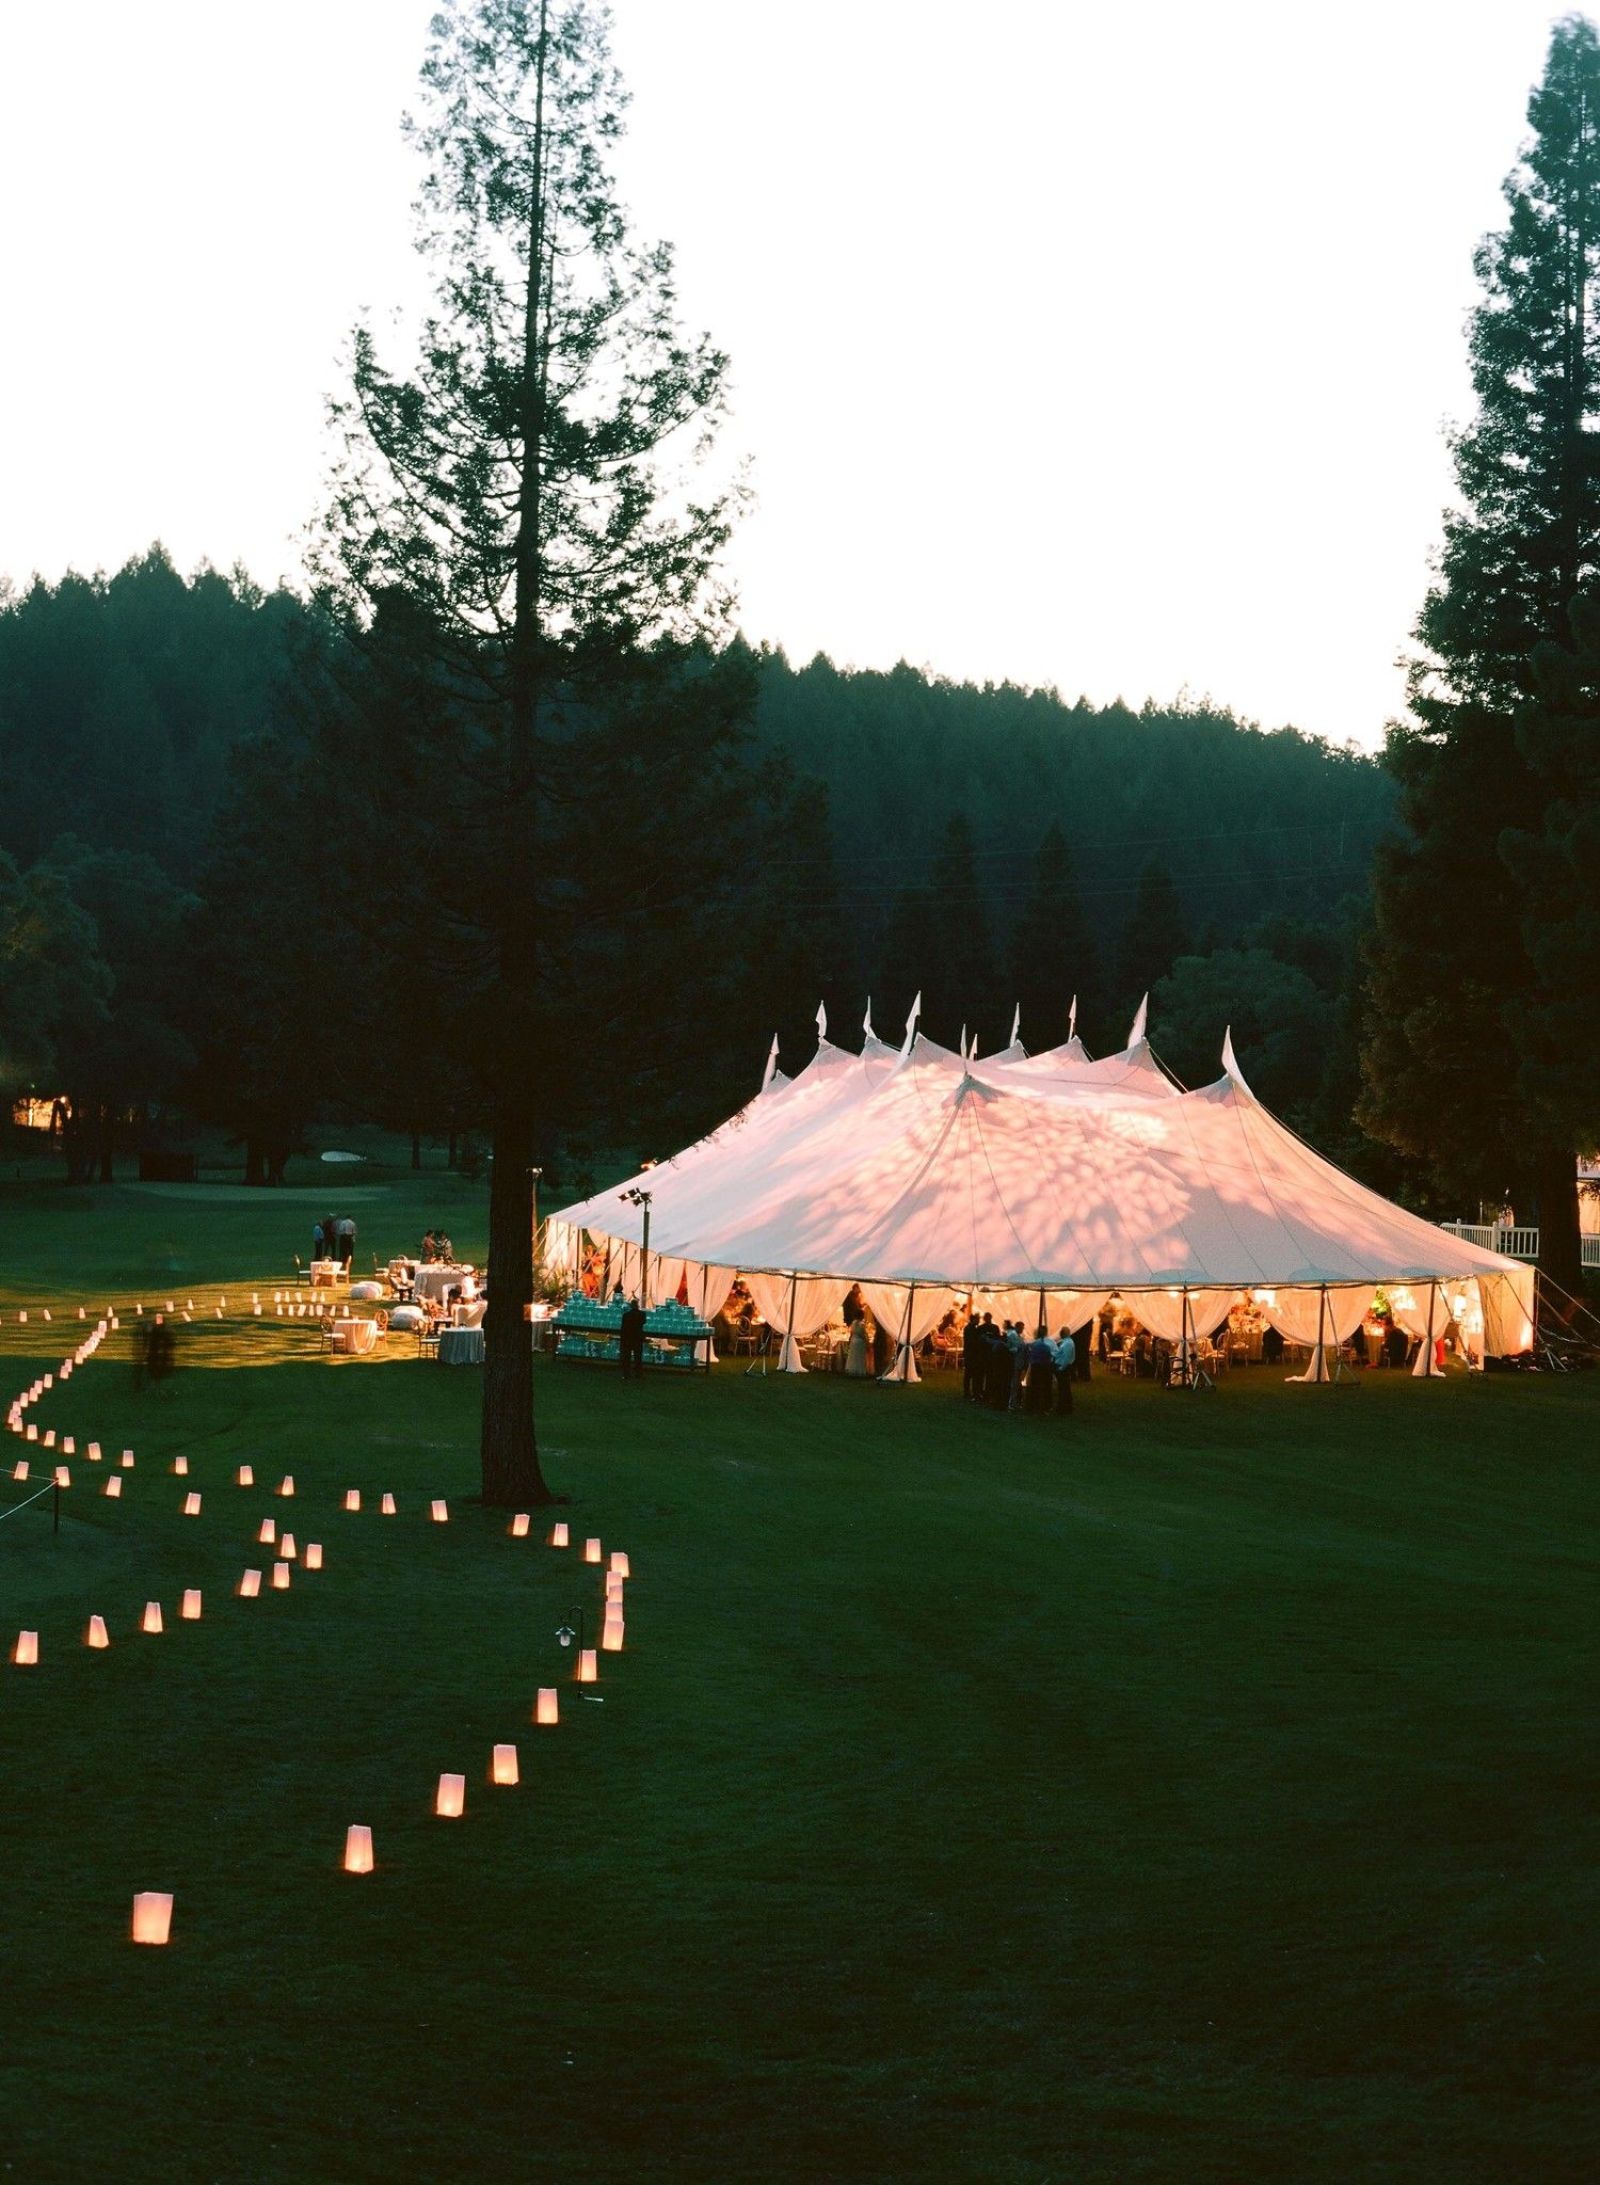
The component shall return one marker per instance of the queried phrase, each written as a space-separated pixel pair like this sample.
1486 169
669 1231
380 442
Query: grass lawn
1202 1788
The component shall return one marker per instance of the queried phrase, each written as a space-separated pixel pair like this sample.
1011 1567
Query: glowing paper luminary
286 1484
33 1433
559 1535
69 1447
591 1551
152 1916
191 1505
519 1526
180 1466
249 1585
114 1485
151 1619
358 1848
440 1513
614 1586
503 1767
287 1548
352 1498
268 1532
246 1475
387 1505
450 1799
50 1439
94 1452
611 1636
127 1460
280 1577
63 1476
21 1471
96 1636
190 1611
313 1555
588 1667
26 1651
547 1708
619 1564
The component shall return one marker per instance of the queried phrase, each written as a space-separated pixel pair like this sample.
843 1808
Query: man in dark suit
974 1357
630 1346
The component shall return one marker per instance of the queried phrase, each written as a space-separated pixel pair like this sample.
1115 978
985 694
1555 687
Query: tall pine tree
1455 954
1052 948
1155 936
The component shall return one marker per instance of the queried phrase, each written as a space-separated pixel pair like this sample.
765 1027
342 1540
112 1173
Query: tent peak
1140 1017
772 1065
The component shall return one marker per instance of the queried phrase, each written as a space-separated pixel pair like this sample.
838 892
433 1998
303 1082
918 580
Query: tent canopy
1051 1171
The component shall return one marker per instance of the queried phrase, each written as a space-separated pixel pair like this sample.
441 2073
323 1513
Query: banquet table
325 1273
434 1279
461 1346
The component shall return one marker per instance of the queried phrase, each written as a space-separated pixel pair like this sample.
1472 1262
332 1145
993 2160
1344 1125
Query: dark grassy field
1198 1789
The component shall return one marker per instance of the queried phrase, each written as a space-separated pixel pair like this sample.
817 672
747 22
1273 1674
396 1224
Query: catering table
587 1328
325 1274
461 1346
436 1278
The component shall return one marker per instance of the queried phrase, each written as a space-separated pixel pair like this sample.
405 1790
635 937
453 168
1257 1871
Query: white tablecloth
435 1280
325 1273
356 1337
461 1346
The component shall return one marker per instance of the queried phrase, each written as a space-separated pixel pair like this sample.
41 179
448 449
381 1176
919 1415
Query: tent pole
1322 1323
1433 1299
1183 1340
789 1351
905 1337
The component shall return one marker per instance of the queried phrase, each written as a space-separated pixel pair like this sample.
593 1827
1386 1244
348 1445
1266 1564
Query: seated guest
1272 1345
430 1249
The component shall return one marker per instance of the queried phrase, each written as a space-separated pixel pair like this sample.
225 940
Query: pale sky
1098 346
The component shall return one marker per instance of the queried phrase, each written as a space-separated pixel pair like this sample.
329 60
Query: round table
461 1346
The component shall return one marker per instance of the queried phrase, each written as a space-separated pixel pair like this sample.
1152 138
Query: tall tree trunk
416 1147
509 1447
1555 1180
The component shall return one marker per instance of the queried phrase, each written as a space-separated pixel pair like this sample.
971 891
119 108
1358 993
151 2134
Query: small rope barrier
47 1488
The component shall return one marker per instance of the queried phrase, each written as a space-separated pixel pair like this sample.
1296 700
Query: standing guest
854 1307
974 1338
1040 1360
1272 1345
447 1251
318 1248
1083 1344
630 1343
430 1249
1016 1346
330 1237
997 1369
1066 1352
347 1241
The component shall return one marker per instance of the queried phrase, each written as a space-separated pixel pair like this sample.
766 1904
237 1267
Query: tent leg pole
1322 1329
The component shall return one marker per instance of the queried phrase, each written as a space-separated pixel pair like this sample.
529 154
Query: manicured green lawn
1198 1789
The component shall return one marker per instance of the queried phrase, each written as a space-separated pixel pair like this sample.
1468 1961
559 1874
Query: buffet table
673 1333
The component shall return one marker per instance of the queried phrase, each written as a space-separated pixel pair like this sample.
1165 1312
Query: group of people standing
1002 1369
333 1238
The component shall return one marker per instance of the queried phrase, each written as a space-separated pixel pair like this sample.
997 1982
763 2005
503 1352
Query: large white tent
1043 1184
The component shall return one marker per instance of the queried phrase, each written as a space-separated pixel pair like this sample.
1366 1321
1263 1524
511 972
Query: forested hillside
988 846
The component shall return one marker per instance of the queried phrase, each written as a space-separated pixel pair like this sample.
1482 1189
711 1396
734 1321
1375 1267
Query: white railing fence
1514 1243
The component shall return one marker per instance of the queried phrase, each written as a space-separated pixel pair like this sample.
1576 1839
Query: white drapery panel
1325 1319
887 1302
1162 1312
799 1306
1422 1309
708 1290
563 1251
664 1277
1507 1312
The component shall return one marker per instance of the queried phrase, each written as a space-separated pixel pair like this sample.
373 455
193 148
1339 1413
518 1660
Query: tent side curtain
1163 1312
798 1305
1507 1302
887 1301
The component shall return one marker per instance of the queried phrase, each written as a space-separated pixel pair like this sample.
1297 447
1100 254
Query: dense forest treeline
990 847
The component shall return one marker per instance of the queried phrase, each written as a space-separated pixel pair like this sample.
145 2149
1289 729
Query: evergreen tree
1052 946
1155 936
958 979
1455 953
516 545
